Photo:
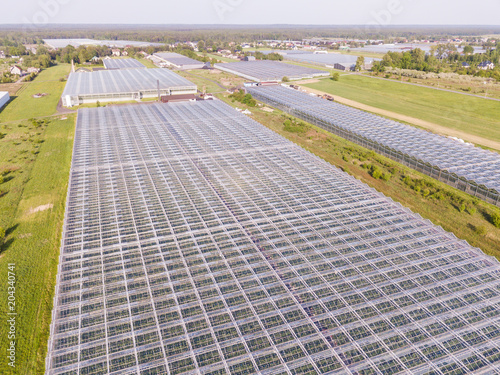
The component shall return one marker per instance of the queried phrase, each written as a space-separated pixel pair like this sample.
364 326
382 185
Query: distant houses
486 65
16 70
116 52
465 65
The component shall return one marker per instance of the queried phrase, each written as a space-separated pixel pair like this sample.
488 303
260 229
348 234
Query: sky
319 12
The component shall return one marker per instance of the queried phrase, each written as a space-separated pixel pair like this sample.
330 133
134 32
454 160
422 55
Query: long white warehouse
4 98
124 84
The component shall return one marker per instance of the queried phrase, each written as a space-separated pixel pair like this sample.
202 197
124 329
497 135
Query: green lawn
146 62
24 106
465 113
33 242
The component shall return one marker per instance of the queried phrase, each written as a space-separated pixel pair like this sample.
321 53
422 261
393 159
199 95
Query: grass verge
37 193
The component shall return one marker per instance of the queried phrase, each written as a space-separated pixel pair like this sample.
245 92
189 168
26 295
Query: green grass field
34 239
465 113
35 159
24 106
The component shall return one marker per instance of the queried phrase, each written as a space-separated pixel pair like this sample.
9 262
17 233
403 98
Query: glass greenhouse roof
197 241
122 64
123 81
464 160
269 70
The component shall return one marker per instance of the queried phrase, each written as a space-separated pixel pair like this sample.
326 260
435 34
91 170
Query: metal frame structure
197 241
262 71
124 84
112 64
465 167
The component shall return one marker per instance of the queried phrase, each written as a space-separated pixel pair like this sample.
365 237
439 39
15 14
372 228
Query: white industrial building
124 84
175 60
4 98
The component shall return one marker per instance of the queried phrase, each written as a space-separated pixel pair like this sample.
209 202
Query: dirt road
415 121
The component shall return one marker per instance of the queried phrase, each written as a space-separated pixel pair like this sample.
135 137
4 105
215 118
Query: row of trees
443 57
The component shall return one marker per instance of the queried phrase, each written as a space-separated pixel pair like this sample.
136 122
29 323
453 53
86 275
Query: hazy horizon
254 12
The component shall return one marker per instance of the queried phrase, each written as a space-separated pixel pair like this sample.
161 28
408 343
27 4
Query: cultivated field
468 114
35 158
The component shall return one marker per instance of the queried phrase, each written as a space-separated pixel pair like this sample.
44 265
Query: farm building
463 166
123 84
344 66
269 71
178 61
112 64
4 98
197 241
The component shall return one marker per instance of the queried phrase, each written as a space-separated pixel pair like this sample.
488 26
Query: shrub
285 79
386 176
471 210
335 76
426 192
480 230
376 173
2 235
495 219
461 208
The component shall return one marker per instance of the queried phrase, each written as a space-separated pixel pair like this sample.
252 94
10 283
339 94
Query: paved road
428 87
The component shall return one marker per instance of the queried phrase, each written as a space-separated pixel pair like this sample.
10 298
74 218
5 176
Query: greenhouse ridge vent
197 241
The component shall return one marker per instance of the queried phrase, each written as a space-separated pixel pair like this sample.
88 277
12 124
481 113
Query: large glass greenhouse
123 84
461 165
197 241
262 71
112 64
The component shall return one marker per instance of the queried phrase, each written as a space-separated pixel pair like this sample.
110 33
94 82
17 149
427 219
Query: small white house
33 70
116 52
16 70
485 65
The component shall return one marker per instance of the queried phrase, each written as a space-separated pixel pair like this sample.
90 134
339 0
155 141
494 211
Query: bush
471 210
2 235
481 230
495 219
285 79
426 192
386 176
376 173
335 76
461 208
